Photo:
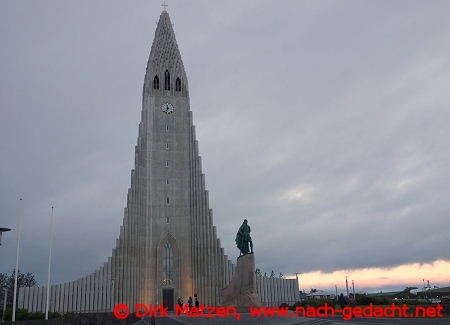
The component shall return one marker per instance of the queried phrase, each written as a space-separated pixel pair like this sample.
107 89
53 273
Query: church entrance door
168 299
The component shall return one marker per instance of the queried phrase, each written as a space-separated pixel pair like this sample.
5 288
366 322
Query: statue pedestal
241 292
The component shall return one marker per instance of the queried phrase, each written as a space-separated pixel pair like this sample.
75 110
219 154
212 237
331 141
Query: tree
312 290
7 282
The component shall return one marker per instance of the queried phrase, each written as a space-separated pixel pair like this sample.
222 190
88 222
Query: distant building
319 294
434 293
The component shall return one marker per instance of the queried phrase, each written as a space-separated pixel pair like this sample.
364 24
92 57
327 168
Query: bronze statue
243 239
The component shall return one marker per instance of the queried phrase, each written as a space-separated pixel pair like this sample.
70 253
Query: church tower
168 247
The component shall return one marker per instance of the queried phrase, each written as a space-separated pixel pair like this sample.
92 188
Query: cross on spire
164 5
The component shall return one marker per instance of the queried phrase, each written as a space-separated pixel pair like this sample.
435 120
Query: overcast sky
324 123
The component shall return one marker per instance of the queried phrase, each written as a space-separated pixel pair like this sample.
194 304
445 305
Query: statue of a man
243 239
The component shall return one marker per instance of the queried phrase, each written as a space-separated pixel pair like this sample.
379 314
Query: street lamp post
346 283
17 265
49 263
424 293
2 230
4 302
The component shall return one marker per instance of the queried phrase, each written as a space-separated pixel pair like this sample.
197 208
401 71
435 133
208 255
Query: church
168 246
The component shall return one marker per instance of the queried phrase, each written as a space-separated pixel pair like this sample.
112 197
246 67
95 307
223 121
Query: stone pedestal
241 292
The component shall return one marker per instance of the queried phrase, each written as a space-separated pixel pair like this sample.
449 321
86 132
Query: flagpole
49 261
17 265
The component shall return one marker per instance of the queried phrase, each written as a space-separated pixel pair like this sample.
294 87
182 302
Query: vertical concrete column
54 298
72 305
27 298
223 267
266 292
20 297
194 225
90 293
279 291
64 306
110 286
219 270
85 295
272 291
33 295
102 288
69 307
126 266
282 292
292 291
287 290
42 298
202 259
225 271
77 294
258 287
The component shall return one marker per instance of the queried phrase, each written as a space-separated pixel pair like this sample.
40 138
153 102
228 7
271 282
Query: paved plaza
291 320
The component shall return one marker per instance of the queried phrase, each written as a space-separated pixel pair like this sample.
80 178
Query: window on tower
167 80
178 84
168 264
156 82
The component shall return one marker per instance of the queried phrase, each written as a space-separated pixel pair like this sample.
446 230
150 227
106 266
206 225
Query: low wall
78 319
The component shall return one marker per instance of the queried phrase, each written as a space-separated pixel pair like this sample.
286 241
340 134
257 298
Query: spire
165 56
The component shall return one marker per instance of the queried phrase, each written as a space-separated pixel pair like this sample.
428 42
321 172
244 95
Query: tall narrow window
167 128
167 220
168 264
178 84
167 145
167 80
156 83
167 163
167 181
167 200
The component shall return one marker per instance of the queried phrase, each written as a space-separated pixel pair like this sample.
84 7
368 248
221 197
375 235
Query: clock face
167 108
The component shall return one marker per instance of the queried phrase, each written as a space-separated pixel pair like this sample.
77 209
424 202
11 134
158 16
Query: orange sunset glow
379 279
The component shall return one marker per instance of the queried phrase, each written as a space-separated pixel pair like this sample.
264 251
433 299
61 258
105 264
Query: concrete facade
167 243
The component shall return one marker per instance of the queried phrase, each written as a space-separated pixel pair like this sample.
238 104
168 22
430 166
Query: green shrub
21 314
383 301
36 315
54 315
365 300
320 302
297 304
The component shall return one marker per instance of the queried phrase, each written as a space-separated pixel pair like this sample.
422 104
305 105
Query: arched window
168 264
156 82
167 80
178 85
